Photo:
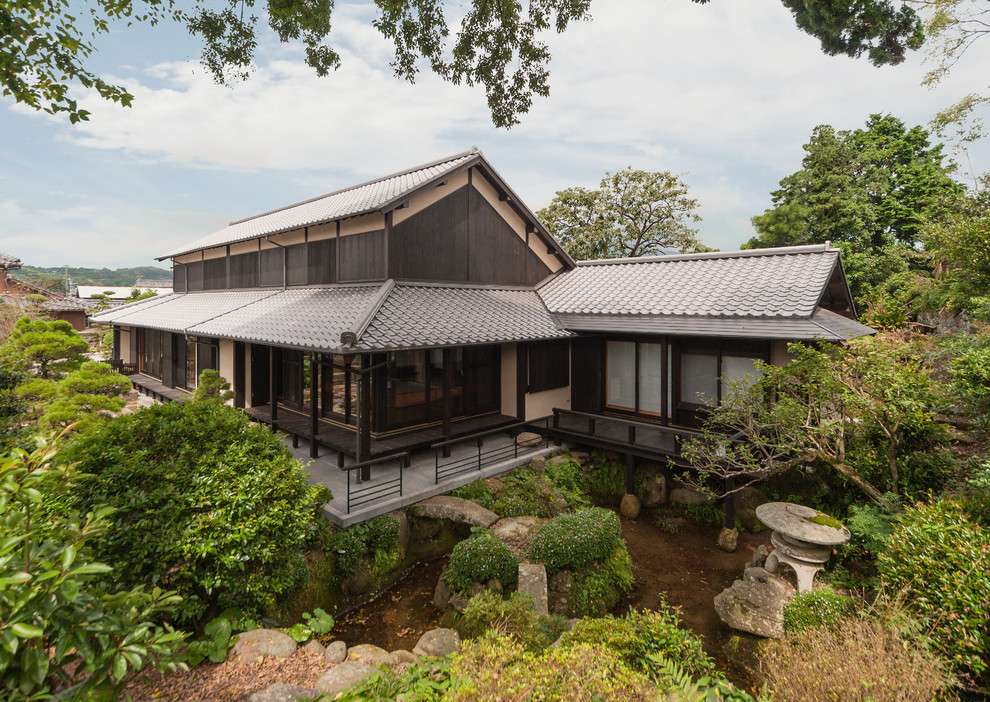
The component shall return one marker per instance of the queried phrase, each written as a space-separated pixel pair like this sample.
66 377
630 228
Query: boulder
746 501
759 558
756 603
458 602
539 464
560 587
474 589
653 492
533 582
335 653
314 646
515 527
254 645
494 585
456 510
442 594
629 508
403 657
582 457
403 540
528 439
688 496
342 676
282 692
558 505
437 642
368 653
727 540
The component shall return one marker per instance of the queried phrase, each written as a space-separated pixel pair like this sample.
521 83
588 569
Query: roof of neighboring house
348 318
153 283
372 196
9 261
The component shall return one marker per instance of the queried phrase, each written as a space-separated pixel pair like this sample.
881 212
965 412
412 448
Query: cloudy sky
724 94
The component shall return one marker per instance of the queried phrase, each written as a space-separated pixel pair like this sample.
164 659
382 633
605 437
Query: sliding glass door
634 377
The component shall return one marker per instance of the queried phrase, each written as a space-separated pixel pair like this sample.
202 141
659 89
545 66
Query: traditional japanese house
432 303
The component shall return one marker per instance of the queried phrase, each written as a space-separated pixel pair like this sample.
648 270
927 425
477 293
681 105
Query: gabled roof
349 318
379 195
9 261
768 293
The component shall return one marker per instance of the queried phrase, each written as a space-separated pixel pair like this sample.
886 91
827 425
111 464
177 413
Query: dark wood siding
433 243
462 238
215 274
322 264
194 276
548 365
168 359
362 256
297 273
272 261
178 278
244 270
586 368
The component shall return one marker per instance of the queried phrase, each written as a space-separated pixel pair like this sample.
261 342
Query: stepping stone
370 654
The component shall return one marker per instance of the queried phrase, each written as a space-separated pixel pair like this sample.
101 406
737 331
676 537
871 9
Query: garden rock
254 645
456 510
533 582
458 602
759 558
282 692
756 603
494 585
402 543
539 464
582 457
342 676
368 653
442 594
314 646
335 653
403 657
437 642
560 587
474 589
687 496
728 540
654 491
629 508
529 439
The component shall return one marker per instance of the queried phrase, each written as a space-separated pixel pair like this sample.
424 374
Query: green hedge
575 541
480 559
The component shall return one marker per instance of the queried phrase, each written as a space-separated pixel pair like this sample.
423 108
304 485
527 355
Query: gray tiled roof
9 261
311 318
316 318
427 315
358 199
180 312
768 283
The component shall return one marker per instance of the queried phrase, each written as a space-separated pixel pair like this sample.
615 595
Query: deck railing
622 434
122 367
361 491
483 456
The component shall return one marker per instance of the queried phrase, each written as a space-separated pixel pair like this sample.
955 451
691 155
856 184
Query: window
549 365
634 377
706 375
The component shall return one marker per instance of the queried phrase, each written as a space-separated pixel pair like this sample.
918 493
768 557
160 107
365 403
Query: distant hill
92 276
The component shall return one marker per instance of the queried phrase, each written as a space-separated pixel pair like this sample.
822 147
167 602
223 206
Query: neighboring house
19 293
116 295
432 303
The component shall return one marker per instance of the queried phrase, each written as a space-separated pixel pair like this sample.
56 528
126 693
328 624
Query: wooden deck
153 388
633 438
344 441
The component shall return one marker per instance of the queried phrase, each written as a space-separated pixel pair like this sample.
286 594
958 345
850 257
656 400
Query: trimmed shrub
820 607
206 504
856 660
939 562
575 541
603 586
515 616
480 559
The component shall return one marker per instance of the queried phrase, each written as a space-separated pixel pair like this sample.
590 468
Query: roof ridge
352 336
431 164
744 253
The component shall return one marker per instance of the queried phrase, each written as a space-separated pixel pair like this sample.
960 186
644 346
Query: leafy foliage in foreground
939 562
207 504
55 615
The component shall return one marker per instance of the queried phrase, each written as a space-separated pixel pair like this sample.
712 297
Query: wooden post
630 473
364 422
730 504
448 381
272 401
314 424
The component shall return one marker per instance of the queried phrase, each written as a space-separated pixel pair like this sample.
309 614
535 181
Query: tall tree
632 213
47 45
871 189
50 348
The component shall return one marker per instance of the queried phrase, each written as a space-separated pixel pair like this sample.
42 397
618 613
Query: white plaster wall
365 223
540 404
216 252
125 345
779 355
